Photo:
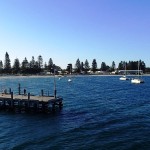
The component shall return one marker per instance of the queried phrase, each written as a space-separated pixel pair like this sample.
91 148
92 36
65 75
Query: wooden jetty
29 103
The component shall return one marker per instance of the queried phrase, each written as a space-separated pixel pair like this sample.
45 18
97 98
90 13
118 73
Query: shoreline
61 76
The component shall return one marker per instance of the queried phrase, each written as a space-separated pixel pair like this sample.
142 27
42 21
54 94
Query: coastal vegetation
39 67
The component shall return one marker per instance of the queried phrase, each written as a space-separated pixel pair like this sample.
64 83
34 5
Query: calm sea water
99 113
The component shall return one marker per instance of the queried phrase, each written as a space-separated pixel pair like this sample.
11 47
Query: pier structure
29 103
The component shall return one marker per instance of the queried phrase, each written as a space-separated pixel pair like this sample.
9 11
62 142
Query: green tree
121 65
36 67
129 67
69 68
45 66
40 62
113 66
32 63
94 65
7 64
33 69
108 68
103 66
86 66
142 66
57 69
82 66
1 66
25 66
78 66
16 66
132 65
50 65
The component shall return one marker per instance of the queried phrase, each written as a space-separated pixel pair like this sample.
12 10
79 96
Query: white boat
137 79
69 80
124 77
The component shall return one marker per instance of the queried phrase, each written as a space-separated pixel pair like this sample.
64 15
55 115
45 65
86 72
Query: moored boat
124 78
137 79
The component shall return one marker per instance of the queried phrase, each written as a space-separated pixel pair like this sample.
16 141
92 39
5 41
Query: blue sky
65 30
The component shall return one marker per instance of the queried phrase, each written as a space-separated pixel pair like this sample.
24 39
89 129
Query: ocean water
99 113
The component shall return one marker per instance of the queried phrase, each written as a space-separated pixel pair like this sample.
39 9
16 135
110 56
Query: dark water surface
99 113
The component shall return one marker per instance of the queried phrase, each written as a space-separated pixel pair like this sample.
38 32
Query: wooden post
19 89
12 95
28 104
24 91
10 90
28 96
11 98
42 92
55 93
54 83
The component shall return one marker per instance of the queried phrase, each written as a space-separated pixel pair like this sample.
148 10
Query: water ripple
100 112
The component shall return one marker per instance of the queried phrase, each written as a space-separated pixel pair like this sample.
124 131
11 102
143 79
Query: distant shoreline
60 76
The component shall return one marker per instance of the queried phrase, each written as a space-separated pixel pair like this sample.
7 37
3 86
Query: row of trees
36 66
131 65
26 67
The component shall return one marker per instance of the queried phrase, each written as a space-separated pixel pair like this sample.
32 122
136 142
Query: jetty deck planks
25 97
29 102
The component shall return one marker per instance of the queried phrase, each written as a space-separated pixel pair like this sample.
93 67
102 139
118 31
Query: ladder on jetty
29 103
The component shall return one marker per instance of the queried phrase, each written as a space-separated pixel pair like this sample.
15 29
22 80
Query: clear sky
65 30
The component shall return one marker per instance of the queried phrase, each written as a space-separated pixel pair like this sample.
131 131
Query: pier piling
42 92
29 103
11 95
19 89
10 90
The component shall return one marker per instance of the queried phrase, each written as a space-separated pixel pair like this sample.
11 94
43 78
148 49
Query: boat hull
69 80
136 81
124 78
